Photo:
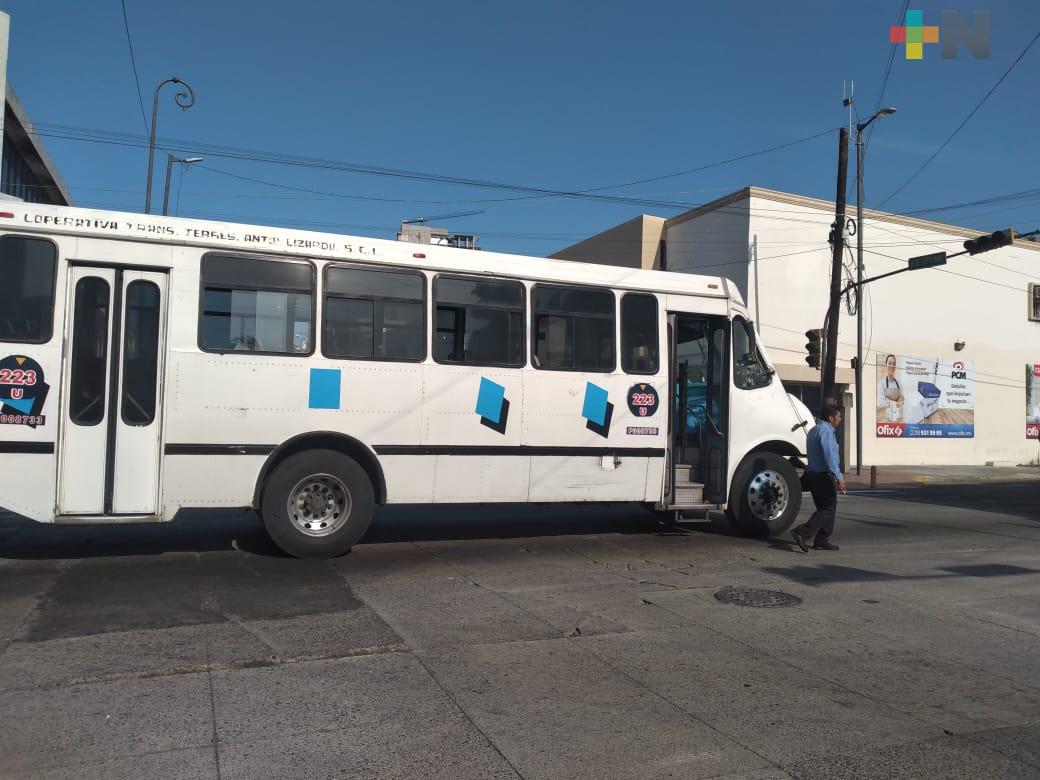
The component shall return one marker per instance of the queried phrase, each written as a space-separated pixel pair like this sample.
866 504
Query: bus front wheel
766 495
317 504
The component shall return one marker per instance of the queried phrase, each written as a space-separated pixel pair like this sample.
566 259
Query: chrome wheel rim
319 505
768 495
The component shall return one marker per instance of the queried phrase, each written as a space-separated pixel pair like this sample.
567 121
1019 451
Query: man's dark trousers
824 489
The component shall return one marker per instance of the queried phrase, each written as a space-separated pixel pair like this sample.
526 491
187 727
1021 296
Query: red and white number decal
15 376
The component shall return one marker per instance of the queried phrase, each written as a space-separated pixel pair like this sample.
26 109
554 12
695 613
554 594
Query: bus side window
374 314
639 339
254 305
479 321
27 267
573 328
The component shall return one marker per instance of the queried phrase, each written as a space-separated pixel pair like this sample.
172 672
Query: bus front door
109 450
699 431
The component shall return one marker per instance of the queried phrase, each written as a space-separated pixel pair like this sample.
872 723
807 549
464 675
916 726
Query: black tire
322 478
782 476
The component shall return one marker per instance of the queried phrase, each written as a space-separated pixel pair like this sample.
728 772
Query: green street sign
927 261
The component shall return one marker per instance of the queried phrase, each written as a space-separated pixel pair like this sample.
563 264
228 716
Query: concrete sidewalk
910 476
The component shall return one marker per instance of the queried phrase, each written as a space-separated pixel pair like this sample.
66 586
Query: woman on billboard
889 390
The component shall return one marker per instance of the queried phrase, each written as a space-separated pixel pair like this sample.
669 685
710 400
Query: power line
124 139
964 122
1024 194
884 80
303 189
980 260
101 136
954 273
133 64
749 155
888 350
337 165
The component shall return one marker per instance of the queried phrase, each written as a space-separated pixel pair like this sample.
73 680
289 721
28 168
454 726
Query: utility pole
859 300
838 248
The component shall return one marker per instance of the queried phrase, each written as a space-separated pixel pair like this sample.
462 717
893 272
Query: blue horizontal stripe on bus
26 447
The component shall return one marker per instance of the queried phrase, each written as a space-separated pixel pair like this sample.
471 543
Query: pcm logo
958 371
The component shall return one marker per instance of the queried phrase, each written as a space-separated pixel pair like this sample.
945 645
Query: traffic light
995 240
814 347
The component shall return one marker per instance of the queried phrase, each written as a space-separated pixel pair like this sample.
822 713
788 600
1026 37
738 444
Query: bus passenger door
111 410
699 441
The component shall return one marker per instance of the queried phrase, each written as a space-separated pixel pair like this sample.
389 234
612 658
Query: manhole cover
756 597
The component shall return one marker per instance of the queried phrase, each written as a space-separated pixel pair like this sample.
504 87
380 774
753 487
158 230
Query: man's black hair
829 411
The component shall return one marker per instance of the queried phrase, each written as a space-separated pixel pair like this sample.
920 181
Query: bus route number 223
642 400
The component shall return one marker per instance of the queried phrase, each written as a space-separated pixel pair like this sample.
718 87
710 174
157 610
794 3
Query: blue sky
567 95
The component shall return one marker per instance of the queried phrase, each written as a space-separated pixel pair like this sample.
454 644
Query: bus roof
289 242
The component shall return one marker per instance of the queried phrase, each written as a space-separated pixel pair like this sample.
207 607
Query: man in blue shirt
824 479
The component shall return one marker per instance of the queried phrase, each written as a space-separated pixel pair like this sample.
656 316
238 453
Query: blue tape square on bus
489 400
324 390
595 407
23 405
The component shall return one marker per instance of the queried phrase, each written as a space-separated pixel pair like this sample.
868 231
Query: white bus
152 364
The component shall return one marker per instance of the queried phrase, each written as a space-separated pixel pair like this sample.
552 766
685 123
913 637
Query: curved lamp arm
185 99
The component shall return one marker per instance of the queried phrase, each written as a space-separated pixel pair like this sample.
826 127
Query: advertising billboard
921 398
1033 401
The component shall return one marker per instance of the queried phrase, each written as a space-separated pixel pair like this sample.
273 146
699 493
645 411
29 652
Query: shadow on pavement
196 532
441 522
830 573
1009 498
234 530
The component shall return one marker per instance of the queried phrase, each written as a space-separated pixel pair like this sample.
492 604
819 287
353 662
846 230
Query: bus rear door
109 447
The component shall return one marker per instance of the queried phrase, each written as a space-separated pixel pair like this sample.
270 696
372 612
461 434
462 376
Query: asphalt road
541 642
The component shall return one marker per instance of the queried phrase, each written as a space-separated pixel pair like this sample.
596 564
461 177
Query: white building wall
712 243
773 247
981 301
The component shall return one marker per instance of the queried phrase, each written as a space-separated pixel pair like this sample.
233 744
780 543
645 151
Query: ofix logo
951 31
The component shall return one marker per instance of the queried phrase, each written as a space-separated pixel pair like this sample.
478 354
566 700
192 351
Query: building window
374 314
27 268
478 321
252 305
1034 301
749 369
639 340
573 328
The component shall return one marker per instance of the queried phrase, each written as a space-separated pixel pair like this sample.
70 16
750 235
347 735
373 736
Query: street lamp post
860 127
185 99
170 160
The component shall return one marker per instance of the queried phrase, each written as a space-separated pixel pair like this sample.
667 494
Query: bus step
688 493
690 514
682 473
693 516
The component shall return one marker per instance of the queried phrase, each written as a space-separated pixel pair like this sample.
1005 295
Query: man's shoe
800 540
825 546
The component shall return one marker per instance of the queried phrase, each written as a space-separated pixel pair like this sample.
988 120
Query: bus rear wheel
317 504
766 496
